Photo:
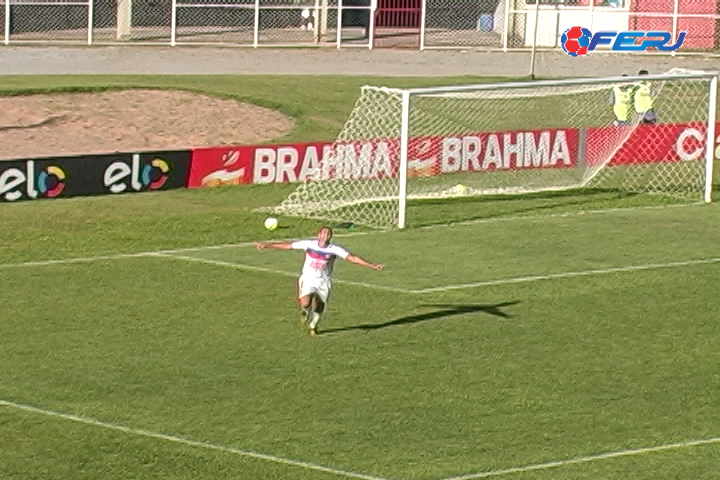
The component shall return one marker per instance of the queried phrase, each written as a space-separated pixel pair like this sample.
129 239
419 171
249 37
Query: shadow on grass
442 311
496 206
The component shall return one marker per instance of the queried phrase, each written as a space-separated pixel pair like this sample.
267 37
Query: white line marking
479 221
487 283
65 261
582 273
590 458
353 234
192 443
581 213
243 266
630 268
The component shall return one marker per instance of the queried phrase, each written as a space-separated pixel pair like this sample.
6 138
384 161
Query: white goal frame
408 94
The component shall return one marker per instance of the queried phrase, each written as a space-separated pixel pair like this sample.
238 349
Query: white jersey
319 261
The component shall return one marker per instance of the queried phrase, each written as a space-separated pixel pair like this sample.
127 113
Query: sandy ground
131 120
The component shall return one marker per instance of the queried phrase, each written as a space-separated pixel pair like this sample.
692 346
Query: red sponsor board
646 144
349 160
493 151
375 159
211 167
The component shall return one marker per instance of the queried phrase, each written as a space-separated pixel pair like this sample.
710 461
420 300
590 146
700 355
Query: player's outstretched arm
275 245
363 263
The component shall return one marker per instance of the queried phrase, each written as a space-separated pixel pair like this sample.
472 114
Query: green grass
400 384
416 386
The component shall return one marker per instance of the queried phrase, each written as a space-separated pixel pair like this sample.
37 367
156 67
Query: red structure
398 13
702 33
397 23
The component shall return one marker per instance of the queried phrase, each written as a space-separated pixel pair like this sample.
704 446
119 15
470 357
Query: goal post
710 149
403 166
513 138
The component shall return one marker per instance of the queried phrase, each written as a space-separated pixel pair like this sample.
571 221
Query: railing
505 25
253 23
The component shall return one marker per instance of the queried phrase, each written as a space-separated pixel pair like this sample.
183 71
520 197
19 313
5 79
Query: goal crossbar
681 74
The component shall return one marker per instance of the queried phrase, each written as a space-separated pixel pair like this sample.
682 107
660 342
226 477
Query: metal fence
425 24
177 22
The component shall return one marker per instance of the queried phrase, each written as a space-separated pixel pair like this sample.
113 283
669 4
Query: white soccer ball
459 189
271 223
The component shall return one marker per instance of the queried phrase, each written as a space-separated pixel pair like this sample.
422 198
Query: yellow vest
623 102
643 97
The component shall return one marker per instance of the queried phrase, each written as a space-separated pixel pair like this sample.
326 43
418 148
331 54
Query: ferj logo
579 41
152 176
575 41
48 182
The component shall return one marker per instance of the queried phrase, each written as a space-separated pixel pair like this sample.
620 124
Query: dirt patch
128 121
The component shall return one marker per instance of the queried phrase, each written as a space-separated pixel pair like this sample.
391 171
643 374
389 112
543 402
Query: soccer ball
459 189
271 223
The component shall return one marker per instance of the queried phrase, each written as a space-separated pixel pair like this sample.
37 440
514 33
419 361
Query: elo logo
150 176
49 182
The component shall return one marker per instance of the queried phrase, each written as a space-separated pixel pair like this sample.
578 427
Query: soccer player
315 281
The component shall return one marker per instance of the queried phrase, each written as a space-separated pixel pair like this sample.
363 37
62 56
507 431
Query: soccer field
564 336
522 346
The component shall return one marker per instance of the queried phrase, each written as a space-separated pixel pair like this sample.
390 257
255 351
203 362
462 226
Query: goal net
511 138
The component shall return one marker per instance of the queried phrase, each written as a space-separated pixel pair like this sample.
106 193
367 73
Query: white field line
479 221
590 458
343 235
487 283
65 261
602 211
243 266
191 443
581 273
346 473
630 268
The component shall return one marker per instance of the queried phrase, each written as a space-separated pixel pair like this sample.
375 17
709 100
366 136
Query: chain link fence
464 23
3 20
132 21
40 21
210 21
424 24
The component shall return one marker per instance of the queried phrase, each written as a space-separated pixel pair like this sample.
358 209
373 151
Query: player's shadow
572 201
442 311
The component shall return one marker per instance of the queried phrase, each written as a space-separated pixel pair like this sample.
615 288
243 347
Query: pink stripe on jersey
319 255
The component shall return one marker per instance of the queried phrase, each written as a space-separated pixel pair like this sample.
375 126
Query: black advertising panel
33 179
64 177
140 172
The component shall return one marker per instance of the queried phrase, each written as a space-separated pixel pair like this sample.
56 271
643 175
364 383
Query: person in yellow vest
645 100
621 99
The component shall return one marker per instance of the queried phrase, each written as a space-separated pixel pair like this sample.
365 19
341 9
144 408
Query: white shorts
319 286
